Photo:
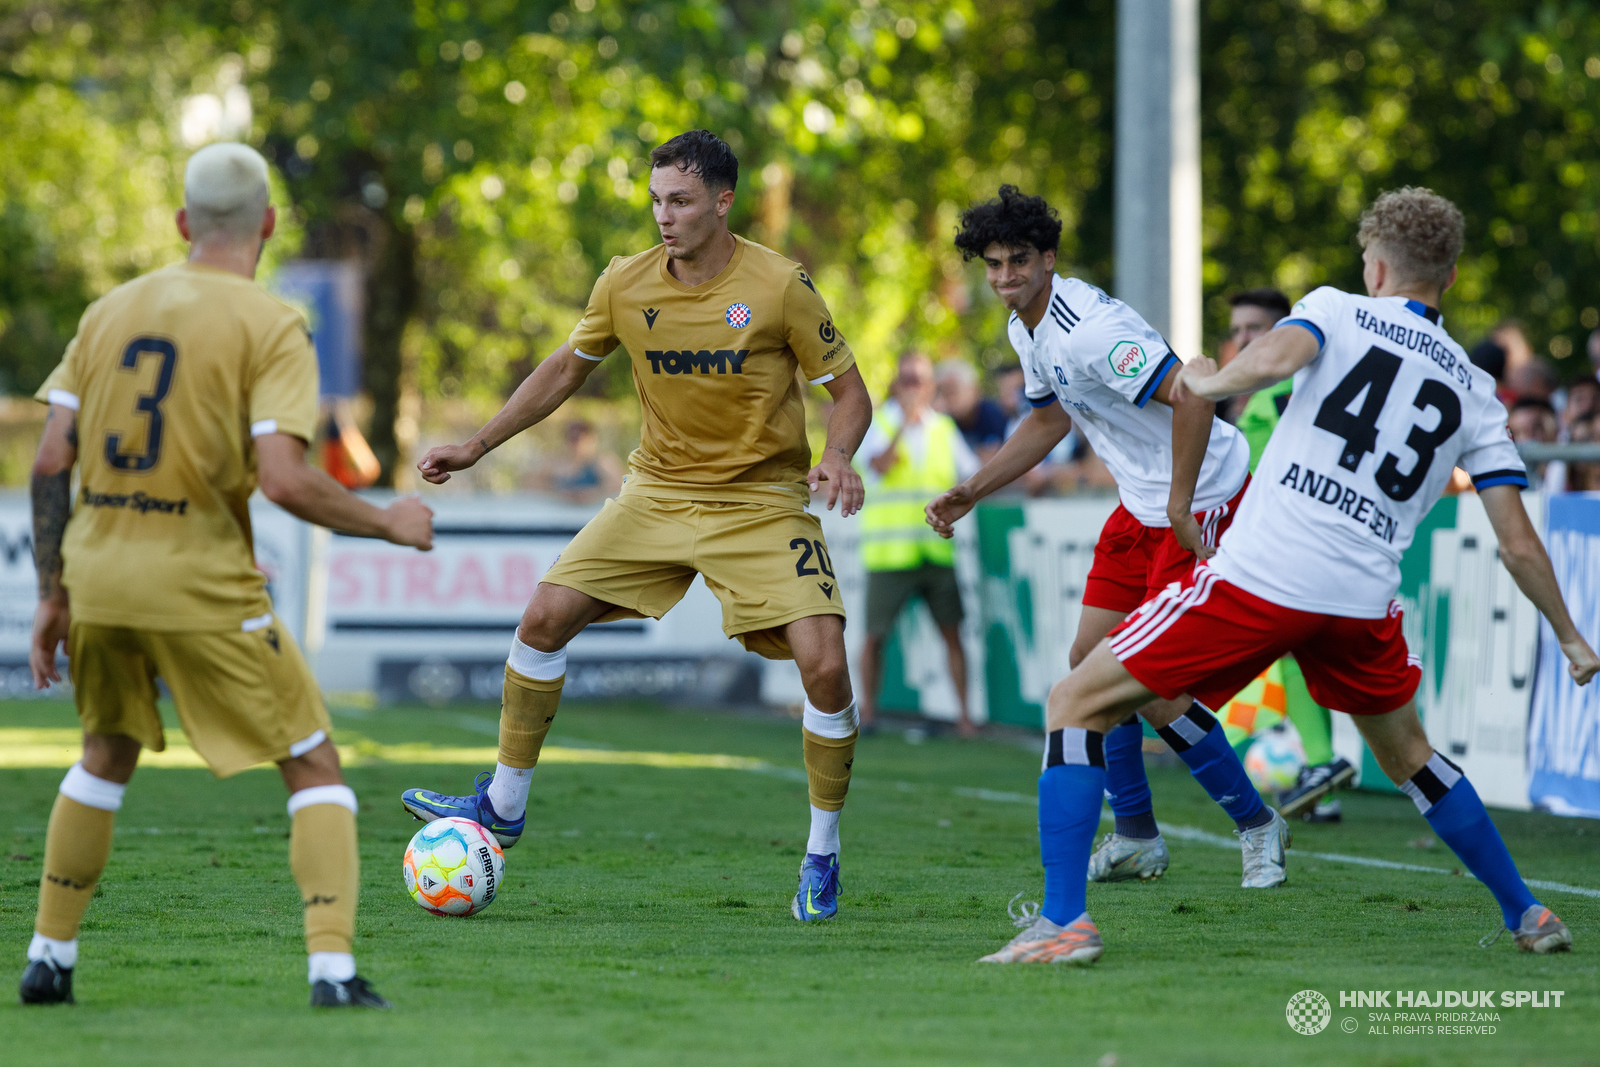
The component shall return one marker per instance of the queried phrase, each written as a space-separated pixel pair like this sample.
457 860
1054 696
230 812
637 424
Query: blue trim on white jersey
1154 383
1305 324
1492 478
1042 401
1419 308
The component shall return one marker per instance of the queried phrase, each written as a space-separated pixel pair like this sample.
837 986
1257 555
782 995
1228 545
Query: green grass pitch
645 919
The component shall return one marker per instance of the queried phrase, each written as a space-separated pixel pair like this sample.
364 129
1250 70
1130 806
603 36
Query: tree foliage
486 159
1313 108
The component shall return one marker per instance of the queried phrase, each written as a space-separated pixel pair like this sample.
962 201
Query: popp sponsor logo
1127 359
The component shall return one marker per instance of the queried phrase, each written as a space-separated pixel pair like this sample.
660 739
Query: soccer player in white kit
1385 406
1091 360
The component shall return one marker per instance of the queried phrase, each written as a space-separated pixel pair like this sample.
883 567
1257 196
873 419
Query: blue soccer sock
1200 742
1451 806
1127 788
1069 813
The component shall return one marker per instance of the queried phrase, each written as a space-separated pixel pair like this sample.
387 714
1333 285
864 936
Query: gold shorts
243 697
768 564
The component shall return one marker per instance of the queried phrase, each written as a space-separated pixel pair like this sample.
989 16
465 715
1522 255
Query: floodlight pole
1157 221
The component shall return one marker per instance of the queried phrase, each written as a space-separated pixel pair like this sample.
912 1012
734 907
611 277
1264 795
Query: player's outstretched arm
1525 557
1191 433
1267 360
547 388
852 414
310 494
1024 450
50 486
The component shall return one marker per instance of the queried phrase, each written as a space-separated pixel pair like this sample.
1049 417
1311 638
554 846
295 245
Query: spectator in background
1055 471
1533 380
1008 387
585 474
1534 421
1508 334
1255 311
1583 401
1582 477
1487 355
910 455
981 420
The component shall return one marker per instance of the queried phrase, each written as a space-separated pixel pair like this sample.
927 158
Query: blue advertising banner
330 292
1564 729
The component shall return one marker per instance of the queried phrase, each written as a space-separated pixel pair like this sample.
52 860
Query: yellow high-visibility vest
895 535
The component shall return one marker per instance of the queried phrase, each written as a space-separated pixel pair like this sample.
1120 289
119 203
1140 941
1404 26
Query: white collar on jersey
1058 310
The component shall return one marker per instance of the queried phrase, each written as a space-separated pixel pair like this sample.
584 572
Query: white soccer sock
840 724
65 953
509 790
90 791
333 966
824 840
532 663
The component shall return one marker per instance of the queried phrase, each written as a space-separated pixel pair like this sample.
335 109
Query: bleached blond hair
1418 232
225 191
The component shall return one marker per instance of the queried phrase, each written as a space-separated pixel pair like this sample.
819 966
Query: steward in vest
910 455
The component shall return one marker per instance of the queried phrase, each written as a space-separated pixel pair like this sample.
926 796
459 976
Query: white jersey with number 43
1375 425
1095 355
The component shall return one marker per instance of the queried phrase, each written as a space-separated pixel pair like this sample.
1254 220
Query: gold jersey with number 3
715 367
171 375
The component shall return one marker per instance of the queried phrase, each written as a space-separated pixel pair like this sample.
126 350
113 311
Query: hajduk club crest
738 316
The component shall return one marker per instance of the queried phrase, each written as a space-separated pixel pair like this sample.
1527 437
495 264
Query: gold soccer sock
528 706
327 865
77 846
830 749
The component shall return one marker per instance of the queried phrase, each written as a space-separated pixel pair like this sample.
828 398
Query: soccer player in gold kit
716 328
181 391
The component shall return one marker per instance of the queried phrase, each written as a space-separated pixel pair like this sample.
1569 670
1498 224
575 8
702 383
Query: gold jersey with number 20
171 375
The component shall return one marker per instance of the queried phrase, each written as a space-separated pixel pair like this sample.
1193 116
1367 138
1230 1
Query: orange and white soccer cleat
1045 942
1542 932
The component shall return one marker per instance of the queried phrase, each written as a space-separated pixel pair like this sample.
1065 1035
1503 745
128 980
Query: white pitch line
1205 837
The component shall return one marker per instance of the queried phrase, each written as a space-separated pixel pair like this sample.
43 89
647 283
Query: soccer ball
453 867
1274 761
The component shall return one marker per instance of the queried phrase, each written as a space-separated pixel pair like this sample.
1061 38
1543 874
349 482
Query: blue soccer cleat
818 897
426 806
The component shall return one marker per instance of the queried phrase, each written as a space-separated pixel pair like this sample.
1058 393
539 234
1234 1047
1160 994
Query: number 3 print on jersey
149 404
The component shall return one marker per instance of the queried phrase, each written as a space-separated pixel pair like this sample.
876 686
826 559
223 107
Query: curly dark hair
700 152
1015 220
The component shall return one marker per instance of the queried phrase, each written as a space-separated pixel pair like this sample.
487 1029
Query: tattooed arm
51 486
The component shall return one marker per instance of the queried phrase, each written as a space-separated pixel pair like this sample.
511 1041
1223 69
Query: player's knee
827 681
320 766
111 757
1063 705
540 631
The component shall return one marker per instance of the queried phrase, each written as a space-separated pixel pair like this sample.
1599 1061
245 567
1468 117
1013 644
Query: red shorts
1209 639
1133 562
